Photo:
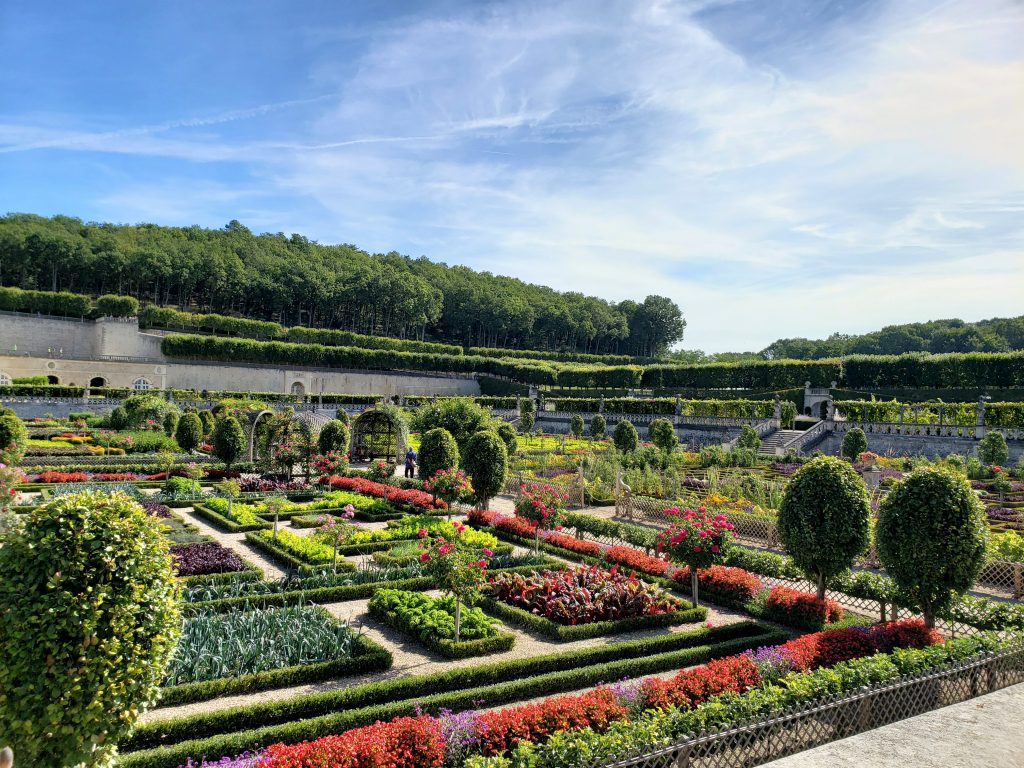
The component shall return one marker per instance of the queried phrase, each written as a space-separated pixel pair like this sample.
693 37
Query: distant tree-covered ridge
297 282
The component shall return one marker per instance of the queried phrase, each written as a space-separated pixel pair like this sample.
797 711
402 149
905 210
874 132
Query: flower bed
791 606
236 517
297 551
405 742
732 584
367 508
203 558
417 500
432 621
636 560
584 602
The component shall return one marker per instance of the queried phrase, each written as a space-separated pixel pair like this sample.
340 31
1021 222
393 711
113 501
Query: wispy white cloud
626 148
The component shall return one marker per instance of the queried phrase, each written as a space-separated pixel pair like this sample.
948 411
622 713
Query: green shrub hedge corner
251 573
367 656
226 523
235 730
571 632
291 560
396 619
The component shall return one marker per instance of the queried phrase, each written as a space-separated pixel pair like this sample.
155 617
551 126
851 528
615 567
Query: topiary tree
525 422
824 519
89 621
508 433
228 440
931 537
486 460
697 539
171 419
625 437
334 437
342 416
749 438
438 450
118 419
189 433
598 427
13 438
787 415
663 435
576 426
461 416
208 421
855 442
992 449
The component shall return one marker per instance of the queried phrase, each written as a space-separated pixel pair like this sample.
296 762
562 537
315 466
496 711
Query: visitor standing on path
410 462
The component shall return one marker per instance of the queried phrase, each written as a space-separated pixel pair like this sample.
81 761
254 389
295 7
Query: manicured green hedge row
960 414
973 369
564 357
770 375
290 560
463 649
61 303
367 656
251 573
666 406
569 633
226 523
232 731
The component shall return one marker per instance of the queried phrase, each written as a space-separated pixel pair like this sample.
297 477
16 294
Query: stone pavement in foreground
981 733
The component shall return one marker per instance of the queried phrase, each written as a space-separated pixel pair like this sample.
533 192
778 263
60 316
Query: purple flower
773 661
244 760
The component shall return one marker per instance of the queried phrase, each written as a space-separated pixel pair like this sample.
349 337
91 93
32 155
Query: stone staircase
777 439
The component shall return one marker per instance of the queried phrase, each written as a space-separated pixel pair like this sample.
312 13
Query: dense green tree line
295 281
936 336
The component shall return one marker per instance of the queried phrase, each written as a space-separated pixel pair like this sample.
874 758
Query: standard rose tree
695 538
451 486
543 504
455 567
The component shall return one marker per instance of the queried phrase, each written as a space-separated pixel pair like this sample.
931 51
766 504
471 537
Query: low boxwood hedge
291 560
367 656
235 730
226 523
251 573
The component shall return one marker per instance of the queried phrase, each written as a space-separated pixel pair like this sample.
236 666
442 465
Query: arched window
97 381
51 379
141 384
298 389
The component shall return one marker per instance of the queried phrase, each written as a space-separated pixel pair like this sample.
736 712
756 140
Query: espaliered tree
228 440
931 537
486 461
438 450
663 435
89 621
189 433
625 437
824 519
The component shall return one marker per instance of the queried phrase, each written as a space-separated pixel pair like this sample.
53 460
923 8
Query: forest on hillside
296 281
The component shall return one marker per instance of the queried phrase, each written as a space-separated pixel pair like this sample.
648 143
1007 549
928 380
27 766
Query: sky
777 167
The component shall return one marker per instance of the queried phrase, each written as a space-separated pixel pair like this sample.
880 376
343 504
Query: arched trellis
379 433
255 417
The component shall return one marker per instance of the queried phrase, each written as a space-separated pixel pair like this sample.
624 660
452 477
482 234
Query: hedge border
226 523
368 656
292 561
502 641
497 683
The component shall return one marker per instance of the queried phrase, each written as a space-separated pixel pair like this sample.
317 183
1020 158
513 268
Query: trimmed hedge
62 303
571 632
367 656
235 730
291 560
226 523
666 406
770 375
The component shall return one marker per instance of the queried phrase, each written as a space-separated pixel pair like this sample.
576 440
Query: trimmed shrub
931 537
171 419
749 438
111 305
90 617
228 440
576 426
663 435
13 438
625 437
189 433
992 449
824 519
438 450
598 426
508 433
855 442
486 461
334 437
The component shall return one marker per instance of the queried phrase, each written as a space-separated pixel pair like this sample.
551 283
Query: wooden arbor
379 433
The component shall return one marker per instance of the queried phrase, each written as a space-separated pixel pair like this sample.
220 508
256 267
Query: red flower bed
572 543
405 742
802 606
635 559
499 731
908 633
823 649
582 595
519 526
483 517
695 686
726 582
64 477
389 493
115 476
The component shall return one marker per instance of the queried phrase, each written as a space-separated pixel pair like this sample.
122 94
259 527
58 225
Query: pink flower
422 533
424 557
487 552
714 548
710 625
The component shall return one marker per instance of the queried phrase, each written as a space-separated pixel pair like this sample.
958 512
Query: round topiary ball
438 450
855 442
486 461
625 437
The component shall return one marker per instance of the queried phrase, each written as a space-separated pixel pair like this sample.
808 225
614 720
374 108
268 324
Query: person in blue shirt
410 462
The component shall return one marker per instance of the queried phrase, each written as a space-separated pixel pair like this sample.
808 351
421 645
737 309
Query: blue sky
778 167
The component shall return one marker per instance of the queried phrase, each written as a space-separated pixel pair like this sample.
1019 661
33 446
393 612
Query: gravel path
235 541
